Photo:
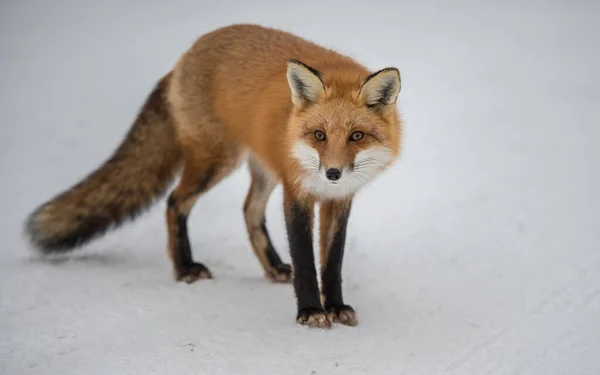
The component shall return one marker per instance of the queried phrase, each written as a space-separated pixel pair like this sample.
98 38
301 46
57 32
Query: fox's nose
333 174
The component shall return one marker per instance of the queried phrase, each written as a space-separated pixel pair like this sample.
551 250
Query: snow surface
478 254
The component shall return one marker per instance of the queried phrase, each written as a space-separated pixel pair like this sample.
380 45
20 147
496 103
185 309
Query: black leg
194 182
334 221
299 220
180 250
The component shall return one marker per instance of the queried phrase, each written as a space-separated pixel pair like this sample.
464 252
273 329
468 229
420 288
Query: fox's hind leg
254 213
200 173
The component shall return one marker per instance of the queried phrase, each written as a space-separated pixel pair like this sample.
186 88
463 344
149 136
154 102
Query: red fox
299 114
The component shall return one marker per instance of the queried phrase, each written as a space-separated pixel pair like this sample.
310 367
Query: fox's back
235 76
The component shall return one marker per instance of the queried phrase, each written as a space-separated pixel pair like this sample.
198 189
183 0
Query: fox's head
344 128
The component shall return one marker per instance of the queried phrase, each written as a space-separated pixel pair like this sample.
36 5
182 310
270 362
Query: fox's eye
319 135
356 136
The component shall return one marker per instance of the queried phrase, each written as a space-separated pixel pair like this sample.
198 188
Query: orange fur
242 92
229 94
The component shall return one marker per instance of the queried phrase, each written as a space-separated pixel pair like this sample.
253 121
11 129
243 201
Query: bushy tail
139 171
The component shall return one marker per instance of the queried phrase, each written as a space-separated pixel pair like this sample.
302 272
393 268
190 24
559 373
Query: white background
477 254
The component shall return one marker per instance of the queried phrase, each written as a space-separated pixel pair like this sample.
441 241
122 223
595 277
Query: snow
477 254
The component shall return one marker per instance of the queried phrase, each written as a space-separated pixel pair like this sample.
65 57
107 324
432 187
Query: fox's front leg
299 215
333 222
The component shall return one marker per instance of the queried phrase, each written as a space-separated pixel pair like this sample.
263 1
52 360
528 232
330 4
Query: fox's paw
343 314
281 273
192 272
313 317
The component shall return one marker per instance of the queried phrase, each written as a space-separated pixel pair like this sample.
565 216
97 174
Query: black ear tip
305 66
298 63
392 69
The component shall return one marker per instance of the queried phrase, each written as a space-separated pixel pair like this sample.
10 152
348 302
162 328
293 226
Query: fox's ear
381 88
305 83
